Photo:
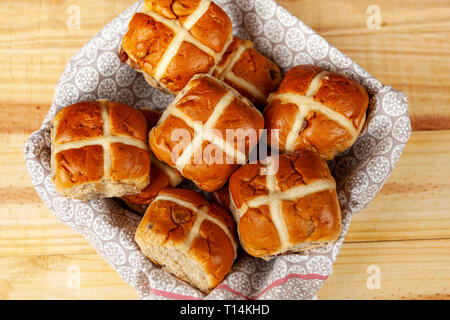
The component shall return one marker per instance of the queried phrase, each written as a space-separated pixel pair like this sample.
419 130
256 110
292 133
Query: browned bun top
79 121
247 183
181 38
298 79
345 96
219 212
279 212
216 109
201 99
78 166
228 55
83 120
248 71
317 110
191 196
127 121
174 215
188 62
336 90
301 168
81 140
214 28
146 41
173 9
169 221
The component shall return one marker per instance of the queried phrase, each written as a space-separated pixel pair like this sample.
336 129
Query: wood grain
413 204
410 52
408 270
53 277
403 276
408 219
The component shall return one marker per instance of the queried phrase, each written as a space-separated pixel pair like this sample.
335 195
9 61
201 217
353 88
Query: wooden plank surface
55 277
407 269
405 231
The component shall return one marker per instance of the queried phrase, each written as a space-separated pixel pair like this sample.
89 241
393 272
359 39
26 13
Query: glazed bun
248 71
191 135
316 110
286 205
188 237
99 149
171 41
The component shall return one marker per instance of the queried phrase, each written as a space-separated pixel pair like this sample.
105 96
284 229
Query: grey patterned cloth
96 72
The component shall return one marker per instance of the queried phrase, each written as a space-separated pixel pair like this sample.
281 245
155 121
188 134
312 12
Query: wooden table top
404 233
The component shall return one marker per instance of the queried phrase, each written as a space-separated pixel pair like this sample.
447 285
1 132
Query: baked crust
202 234
171 41
190 135
316 110
99 149
290 210
248 71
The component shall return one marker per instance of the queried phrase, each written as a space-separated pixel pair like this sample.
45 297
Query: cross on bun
317 110
287 209
171 41
161 175
189 237
192 132
99 149
248 71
